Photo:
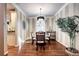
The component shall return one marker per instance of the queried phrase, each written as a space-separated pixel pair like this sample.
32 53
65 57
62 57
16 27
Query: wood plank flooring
53 49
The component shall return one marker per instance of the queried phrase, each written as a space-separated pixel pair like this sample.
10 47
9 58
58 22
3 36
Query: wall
5 32
21 32
3 47
67 10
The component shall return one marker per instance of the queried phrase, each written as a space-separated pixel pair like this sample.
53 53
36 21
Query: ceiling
33 9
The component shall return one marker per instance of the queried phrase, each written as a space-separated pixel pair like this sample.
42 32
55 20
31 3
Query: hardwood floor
53 49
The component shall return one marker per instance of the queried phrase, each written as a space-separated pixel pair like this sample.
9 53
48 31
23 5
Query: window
40 25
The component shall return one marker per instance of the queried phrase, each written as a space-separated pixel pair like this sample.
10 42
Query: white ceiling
33 9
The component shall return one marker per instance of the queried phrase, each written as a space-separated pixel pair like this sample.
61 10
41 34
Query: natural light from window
40 25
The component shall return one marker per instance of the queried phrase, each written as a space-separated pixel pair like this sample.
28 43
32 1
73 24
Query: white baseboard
61 43
28 41
5 53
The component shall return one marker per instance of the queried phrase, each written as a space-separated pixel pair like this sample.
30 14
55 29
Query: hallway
11 39
54 49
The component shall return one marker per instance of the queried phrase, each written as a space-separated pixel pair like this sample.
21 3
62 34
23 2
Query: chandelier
40 17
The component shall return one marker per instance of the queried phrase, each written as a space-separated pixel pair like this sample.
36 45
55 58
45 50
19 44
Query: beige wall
2 10
21 33
68 10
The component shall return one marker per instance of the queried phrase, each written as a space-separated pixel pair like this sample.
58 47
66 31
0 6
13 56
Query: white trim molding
62 8
5 53
18 8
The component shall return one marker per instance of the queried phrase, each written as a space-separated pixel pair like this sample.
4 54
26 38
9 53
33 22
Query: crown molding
18 8
5 53
62 8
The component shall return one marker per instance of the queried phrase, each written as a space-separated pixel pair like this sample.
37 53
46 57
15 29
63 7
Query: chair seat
34 38
46 38
40 41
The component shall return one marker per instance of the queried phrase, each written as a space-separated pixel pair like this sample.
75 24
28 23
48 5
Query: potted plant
69 25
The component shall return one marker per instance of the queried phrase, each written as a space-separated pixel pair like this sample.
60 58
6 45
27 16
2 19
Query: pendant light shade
40 17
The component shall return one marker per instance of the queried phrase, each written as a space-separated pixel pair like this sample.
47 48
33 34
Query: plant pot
72 51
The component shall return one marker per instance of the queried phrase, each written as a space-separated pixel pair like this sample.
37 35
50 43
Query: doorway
11 25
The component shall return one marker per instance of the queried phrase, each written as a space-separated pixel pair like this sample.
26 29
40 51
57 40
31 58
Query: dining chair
33 37
40 40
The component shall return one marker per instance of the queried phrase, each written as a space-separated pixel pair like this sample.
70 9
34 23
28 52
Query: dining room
37 30
40 31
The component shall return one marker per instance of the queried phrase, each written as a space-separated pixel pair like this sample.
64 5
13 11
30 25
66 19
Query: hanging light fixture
40 17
